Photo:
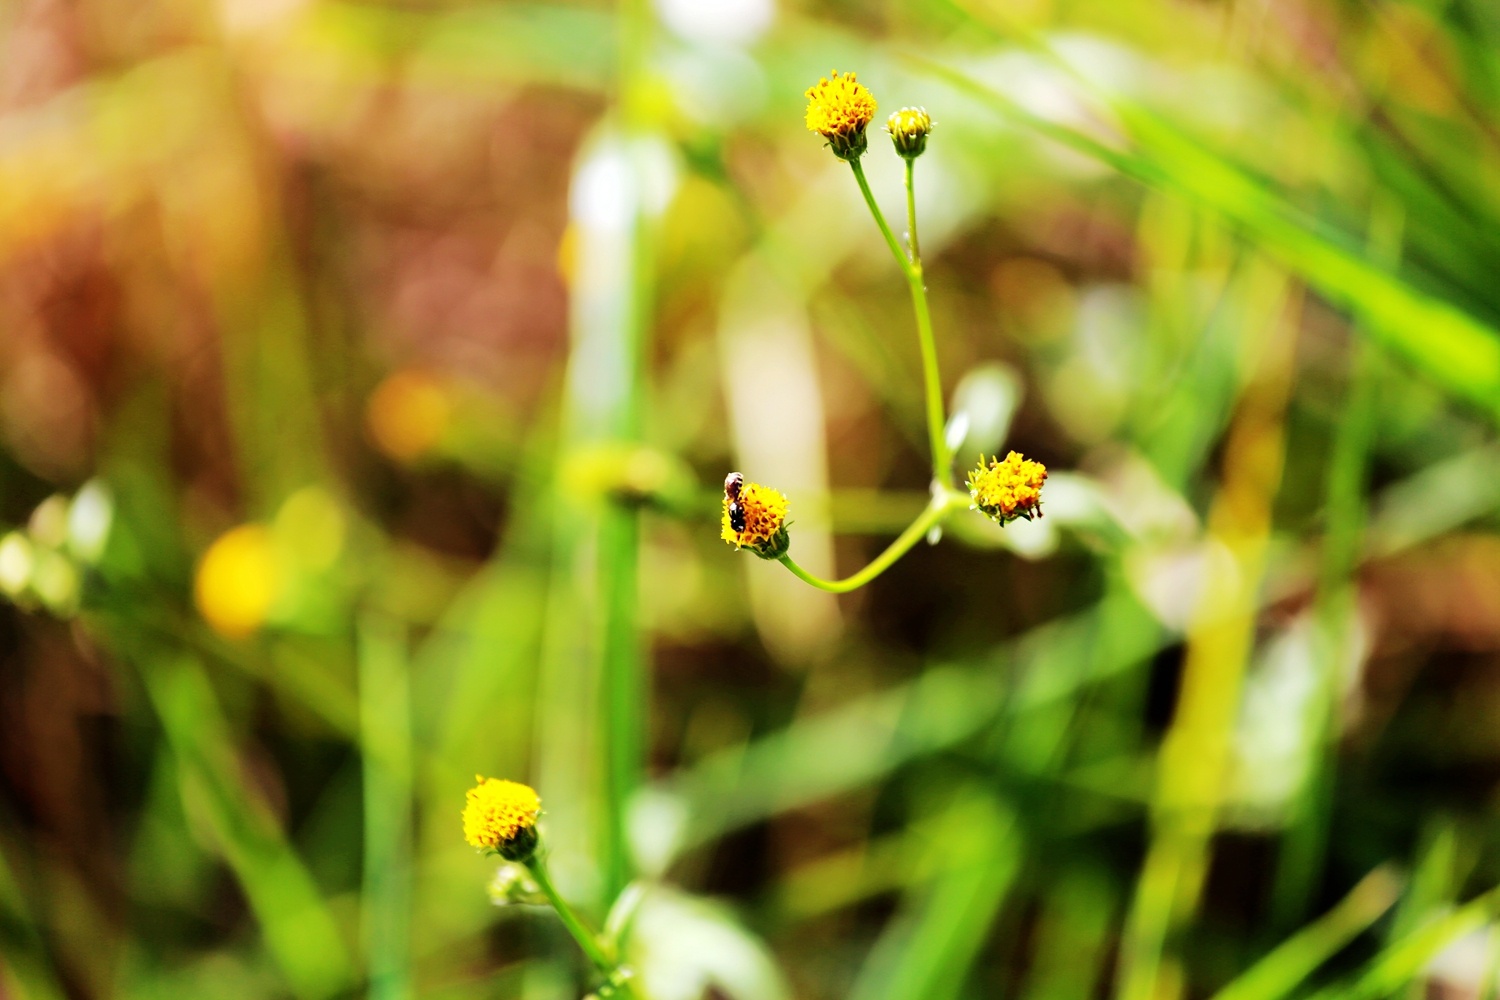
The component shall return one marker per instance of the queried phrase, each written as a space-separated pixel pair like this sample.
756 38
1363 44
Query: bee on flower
754 517
1007 490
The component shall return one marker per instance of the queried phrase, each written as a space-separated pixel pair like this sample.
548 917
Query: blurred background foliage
367 374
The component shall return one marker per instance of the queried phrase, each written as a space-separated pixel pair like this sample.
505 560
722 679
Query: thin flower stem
911 212
885 229
911 266
940 507
942 461
581 933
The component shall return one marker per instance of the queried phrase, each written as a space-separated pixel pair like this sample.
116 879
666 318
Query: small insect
732 485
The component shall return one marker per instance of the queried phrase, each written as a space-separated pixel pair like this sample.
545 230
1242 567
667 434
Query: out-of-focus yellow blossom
840 109
408 414
238 580
1008 490
500 816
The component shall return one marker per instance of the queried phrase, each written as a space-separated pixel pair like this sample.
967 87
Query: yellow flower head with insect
1007 490
840 109
500 818
754 517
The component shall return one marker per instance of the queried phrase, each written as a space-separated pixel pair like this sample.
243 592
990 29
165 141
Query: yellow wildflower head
754 518
500 818
1008 490
238 581
908 129
839 109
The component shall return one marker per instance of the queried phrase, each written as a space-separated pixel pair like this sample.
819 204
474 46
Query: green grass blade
1402 961
938 934
1454 349
1279 973
300 933
385 736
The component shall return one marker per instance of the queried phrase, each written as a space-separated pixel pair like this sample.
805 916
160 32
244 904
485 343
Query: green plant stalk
576 927
941 506
911 266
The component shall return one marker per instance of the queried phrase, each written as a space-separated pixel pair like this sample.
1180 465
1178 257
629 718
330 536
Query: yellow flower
839 109
500 817
1008 490
238 581
754 518
908 129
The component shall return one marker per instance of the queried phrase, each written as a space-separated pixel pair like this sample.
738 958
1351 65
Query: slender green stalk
576 927
885 229
911 212
911 266
942 462
936 511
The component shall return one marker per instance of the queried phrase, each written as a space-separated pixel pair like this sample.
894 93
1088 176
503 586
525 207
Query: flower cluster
755 519
1008 490
840 109
500 818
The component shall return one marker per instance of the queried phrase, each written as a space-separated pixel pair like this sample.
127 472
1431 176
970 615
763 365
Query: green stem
936 511
911 212
585 937
911 266
885 229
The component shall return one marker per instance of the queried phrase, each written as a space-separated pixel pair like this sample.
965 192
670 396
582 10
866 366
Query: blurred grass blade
1454 349
1304 843
869 736
942 926
300 932
1193 765
1403 960
1278 974
385 737
25 971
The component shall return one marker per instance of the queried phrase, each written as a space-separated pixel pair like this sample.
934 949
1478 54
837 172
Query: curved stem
581 933
936 511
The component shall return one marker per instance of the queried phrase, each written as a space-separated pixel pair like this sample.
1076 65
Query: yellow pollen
765 513
497 811
1009 489
840 107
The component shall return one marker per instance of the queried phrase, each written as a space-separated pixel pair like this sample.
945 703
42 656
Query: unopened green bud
909 129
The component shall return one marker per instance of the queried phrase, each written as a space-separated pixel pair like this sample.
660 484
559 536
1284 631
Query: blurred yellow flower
500 816
408 414
238 580
1008 490
839 109
754 518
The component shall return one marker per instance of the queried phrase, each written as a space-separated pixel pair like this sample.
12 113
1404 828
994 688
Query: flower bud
908 129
